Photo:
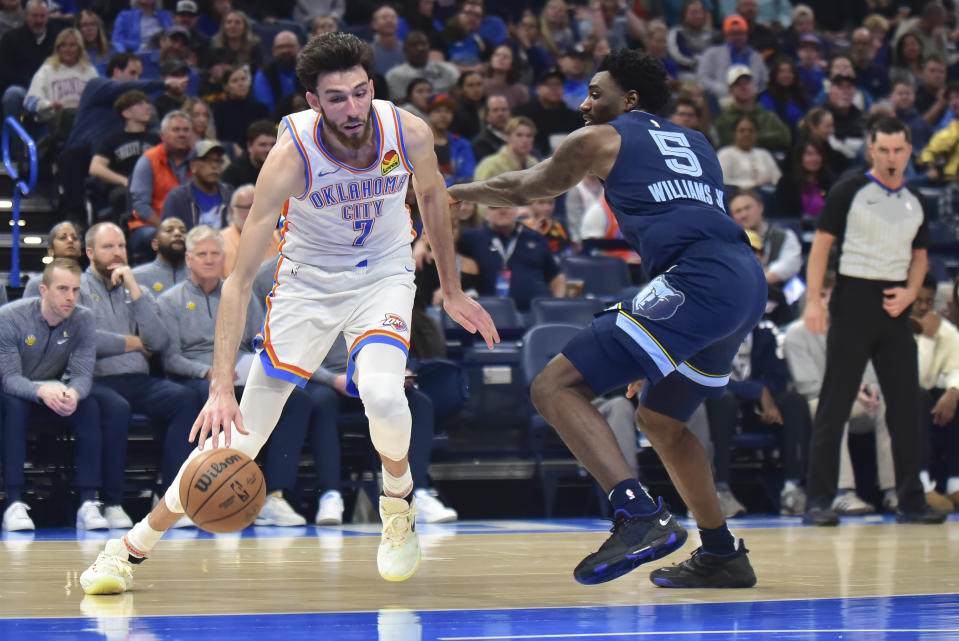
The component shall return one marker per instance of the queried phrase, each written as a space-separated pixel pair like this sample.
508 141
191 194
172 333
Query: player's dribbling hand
468 313
634 388
219 412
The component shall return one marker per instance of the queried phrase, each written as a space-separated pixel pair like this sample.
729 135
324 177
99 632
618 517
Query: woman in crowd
418 94
907 60
201 117
55 90
500 77
95 40
687 40
818 123
556 30
744 164
801 191
784 95
235 114
236 37
470 100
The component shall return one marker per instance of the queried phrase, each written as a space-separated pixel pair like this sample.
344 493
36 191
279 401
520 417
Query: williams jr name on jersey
347 215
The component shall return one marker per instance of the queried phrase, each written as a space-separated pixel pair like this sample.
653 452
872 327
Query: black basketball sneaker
704 570
634 540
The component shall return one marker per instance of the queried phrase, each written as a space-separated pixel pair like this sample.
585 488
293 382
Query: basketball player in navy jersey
677 337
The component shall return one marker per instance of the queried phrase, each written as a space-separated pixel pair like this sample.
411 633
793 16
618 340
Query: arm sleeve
79 373
324 376
14 382
835 212
38 95
706 76
141 188
149 326
174 362
789 261
110 343
124 37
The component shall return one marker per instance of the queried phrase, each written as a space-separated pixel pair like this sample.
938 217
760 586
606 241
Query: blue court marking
869 618
488 527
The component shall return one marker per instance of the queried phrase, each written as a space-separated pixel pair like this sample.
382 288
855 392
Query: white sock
141 540
399 486
927 484
952 485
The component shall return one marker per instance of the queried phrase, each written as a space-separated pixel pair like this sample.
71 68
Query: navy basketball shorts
680 333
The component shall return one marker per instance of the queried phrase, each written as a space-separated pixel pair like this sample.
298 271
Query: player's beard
349 141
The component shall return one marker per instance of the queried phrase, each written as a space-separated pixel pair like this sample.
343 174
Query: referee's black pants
860 330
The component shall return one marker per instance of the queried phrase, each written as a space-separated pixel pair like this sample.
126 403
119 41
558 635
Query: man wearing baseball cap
204 199
771 132
717 60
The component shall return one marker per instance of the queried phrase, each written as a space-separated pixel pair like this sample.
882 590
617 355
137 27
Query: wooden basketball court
867 579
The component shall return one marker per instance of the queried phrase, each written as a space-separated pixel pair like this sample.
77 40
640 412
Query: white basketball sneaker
90 518
330 510
399 553
431 509
276 511
117 518
16 519
111 573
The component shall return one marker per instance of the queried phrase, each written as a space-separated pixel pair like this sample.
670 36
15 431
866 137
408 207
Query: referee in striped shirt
880 229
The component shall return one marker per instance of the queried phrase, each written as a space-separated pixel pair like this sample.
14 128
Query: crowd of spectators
157 119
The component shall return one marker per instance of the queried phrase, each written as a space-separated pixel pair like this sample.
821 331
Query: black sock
408 498
718 541
630 496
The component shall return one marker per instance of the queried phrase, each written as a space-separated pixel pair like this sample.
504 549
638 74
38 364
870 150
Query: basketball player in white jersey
340 171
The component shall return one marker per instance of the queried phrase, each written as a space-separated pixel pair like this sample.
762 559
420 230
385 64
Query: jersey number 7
364 227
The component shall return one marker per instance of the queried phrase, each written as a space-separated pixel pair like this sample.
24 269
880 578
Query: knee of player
382 395
659 429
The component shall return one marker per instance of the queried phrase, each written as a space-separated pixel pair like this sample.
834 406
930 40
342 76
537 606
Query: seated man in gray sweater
168 268
47 350
189 313
129 329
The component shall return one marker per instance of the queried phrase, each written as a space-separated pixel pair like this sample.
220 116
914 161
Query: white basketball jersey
347 215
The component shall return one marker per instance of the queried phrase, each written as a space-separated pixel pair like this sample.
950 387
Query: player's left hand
896 300
634 388
468 313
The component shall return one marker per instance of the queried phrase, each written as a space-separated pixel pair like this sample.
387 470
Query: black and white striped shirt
876 228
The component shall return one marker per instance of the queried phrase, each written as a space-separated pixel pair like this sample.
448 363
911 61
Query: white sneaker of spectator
848 502
330 510
15 518
90 518
276 511
117 517
431 509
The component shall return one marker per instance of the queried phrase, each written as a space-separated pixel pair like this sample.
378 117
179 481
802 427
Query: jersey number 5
364 227
679 157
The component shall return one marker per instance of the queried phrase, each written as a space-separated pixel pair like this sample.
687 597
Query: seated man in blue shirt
504 258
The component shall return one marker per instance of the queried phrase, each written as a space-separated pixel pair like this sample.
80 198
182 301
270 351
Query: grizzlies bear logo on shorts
658 300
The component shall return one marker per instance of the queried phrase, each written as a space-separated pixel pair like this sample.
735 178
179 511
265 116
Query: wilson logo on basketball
203 483
390 161
394 321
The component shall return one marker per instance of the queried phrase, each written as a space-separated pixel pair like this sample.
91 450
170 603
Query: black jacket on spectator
241 171
22 55
486 144
232 117
550 121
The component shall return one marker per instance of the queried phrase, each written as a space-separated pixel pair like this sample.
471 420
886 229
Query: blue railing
20 188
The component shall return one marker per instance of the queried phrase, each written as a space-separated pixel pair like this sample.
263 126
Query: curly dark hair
331 52
635 71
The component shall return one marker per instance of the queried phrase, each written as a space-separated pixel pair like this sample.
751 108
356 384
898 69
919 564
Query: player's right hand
470 314
219 412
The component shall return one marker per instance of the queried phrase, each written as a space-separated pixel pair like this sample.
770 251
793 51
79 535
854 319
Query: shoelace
393 532
110 564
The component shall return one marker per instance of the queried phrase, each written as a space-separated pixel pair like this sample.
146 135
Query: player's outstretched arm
434 207
281 177
587 150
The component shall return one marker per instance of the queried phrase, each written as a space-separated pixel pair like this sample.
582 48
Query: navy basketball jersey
666 190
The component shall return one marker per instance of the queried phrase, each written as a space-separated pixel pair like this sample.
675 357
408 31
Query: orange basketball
222 490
